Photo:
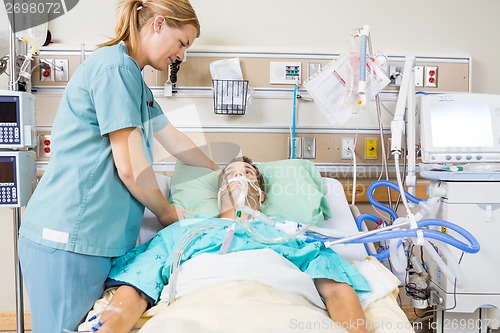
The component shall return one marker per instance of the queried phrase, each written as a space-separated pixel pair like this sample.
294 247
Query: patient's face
229 196
240 169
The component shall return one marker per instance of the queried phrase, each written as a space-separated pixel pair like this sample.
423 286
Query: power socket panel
345 152
309 148
46 70
371 149
44 147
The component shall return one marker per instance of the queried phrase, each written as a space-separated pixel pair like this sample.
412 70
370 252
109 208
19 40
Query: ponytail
133 15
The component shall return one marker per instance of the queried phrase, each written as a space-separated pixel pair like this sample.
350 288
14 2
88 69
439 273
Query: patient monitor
460 128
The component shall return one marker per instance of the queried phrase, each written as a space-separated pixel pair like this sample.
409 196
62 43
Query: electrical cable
381 130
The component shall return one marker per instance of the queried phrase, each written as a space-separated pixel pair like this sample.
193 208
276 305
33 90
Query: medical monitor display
17 120
8 112
6 172
460 128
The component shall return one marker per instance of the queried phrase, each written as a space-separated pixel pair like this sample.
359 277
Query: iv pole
16 210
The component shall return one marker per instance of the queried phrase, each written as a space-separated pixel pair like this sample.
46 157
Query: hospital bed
218 293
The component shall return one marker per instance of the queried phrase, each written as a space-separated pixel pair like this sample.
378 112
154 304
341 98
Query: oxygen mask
241 192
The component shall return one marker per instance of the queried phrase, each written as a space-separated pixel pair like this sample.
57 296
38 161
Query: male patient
335 279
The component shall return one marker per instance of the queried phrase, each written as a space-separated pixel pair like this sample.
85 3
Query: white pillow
342 221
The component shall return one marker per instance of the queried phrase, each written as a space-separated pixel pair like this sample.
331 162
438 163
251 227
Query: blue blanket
148 266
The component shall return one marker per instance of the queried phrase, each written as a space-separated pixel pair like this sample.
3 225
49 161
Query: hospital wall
444 28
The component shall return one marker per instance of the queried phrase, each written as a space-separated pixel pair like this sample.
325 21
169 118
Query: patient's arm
343 305
123 311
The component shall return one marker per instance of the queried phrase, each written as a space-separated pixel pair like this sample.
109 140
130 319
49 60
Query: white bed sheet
267 267
240 300
342 221
258 305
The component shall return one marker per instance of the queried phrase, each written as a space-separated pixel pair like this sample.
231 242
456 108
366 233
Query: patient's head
230 184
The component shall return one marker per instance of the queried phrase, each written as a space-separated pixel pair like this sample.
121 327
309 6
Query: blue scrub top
80 203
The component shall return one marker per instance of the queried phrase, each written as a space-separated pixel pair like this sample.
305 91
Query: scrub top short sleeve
158 117
114 98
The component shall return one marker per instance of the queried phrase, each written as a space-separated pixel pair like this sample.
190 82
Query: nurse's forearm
182 147
137 174
144 188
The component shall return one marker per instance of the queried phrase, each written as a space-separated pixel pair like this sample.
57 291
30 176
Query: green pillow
194 189
294 191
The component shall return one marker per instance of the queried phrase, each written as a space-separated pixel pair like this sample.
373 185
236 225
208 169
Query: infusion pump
17 177
17 120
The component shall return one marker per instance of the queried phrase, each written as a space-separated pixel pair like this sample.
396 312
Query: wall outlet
61 70
46 70
309 148
371 149
431 76
44 147
314 68
345 152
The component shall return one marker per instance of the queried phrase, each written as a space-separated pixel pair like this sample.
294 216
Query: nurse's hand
172 214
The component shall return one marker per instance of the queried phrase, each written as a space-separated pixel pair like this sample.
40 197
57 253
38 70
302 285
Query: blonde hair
133 15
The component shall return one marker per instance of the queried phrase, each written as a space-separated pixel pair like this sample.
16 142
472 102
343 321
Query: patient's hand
172 214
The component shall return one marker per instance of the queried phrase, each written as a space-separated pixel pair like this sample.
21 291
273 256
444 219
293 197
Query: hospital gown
148 266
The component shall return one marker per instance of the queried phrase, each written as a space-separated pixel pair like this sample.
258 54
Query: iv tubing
294 122
177 257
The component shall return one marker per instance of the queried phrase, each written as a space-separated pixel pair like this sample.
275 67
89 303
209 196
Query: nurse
89 203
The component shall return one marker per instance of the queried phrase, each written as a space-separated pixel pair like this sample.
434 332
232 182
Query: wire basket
230 96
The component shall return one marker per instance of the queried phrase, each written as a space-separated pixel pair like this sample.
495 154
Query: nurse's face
165 44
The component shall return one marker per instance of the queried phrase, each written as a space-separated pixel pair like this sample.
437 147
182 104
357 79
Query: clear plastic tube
255 235
397 256
447 271
452 264
177 257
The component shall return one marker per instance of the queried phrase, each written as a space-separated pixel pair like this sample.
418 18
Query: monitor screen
460 128
8 111
7 171
454 125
